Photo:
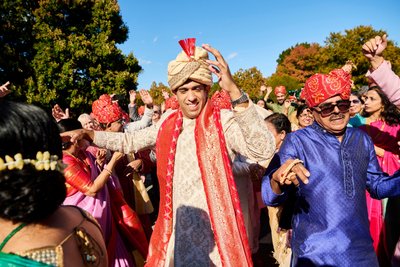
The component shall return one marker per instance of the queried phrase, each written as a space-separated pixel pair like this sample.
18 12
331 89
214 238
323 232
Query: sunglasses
327 109
121 121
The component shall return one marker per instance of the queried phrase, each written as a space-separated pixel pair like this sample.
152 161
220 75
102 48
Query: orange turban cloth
280 90
141 110
171 103
189 64
105 110
320 87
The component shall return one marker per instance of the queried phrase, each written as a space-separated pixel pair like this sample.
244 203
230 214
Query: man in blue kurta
328 167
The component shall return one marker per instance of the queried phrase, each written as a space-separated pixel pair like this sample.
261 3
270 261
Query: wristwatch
242 99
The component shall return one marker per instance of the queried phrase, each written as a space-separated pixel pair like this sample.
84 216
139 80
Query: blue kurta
330 222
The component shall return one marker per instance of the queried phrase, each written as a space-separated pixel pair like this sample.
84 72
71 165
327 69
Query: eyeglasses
306 115
355 101
327 109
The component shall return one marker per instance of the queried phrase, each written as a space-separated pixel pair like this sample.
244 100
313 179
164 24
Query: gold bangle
107 170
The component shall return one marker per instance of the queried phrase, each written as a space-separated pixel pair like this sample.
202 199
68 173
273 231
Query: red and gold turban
105 110
280 90
141 110
171 103
320 87
221 99
189 64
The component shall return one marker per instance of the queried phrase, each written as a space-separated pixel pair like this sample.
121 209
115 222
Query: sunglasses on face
121 121
328 108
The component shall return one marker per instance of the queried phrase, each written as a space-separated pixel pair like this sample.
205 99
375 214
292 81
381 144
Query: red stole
219 185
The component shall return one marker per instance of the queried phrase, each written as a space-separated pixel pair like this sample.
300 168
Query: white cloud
232 55
144 62
155 39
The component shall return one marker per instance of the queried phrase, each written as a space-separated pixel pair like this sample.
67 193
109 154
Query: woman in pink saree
95 190
383 125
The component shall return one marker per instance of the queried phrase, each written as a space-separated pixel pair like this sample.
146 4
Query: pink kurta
386 79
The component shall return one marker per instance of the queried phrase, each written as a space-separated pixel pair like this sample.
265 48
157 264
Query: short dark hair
29 195
300 110
280 122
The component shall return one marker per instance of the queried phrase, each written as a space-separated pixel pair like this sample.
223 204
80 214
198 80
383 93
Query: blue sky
247 33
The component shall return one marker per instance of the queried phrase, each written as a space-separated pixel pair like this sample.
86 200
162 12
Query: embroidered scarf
219 185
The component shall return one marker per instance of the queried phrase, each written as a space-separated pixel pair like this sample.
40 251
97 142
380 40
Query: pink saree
78 176
383 214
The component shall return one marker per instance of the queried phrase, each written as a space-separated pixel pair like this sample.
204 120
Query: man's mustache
336 116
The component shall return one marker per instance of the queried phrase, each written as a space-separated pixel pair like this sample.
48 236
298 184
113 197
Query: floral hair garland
43 161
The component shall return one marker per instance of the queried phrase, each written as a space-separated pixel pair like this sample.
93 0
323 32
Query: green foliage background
66 52
69 54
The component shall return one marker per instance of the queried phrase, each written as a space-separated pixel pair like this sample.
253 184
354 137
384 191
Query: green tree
341 47
77 53
156 92
16 42
250 80
303 60
73 57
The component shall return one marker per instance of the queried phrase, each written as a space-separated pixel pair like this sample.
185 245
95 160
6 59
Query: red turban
105 110
221 99
320 87
171 103
141 110
280 90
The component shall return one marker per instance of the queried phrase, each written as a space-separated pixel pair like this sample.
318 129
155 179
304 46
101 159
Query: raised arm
268 92
225 80
145 121
79 178
59 114
381 71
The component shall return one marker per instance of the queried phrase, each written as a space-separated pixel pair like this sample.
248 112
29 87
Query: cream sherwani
192 241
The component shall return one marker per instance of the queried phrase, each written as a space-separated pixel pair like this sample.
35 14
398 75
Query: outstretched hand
78 134
291 172
59 114
132 96
221 69
146 97
375 46
287 104
4 90
135 164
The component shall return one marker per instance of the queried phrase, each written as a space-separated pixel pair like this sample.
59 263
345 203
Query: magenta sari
384 214
98 206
